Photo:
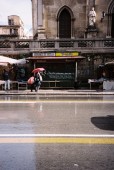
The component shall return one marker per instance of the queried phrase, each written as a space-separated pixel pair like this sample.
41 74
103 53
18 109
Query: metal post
75 83
34 66
76 72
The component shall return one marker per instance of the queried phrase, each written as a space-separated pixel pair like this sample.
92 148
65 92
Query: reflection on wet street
56 132
57 97
56 114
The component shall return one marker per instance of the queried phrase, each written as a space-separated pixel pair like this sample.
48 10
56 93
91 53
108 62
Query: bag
40 77
30 80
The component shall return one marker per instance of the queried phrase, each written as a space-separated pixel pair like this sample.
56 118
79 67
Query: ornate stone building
72 40
82 25
70 18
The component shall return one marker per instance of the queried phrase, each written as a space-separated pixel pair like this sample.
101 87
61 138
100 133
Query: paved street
56 132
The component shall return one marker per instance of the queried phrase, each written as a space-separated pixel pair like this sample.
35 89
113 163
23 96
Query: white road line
58 135
60 101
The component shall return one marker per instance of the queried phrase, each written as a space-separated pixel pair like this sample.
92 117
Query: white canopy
4 61
110 63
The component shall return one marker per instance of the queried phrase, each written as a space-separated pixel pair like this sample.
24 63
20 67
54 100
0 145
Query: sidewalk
57 92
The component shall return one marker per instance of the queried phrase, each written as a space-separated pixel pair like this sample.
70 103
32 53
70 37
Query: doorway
112 29
65 24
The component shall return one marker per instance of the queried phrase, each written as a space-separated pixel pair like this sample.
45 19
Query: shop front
61 69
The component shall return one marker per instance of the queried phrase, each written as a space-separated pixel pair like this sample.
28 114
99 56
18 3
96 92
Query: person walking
6 79
37 81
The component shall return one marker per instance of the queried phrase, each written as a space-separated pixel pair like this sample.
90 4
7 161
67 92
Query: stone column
40 13
34 17
41 29
109 15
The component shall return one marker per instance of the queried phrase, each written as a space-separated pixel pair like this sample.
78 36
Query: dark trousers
32 87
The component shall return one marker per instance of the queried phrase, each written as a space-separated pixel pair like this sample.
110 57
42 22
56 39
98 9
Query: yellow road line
57 140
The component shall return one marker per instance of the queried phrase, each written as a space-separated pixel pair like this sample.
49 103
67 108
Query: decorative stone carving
92 17
91 31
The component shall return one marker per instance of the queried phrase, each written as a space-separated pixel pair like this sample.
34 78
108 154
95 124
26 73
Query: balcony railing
82 45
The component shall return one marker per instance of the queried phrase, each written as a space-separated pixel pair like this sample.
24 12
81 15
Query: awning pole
76 72
34 65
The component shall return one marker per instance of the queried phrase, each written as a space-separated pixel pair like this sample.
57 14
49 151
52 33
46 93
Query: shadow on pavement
104 123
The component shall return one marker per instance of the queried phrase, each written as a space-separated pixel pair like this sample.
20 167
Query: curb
57 92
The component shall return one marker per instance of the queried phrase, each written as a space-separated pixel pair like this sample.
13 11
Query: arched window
65 23
110 27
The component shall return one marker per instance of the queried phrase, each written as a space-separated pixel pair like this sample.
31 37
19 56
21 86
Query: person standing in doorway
6 79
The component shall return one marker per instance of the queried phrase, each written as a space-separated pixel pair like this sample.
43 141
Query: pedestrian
37 81
6 79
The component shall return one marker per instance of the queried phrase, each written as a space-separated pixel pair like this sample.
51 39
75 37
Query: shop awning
110 63
55 58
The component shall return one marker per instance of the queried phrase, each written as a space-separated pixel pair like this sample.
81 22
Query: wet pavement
56 132
58 92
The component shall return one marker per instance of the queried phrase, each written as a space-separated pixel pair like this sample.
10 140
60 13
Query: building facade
14 29
85 20
71 40
70 19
